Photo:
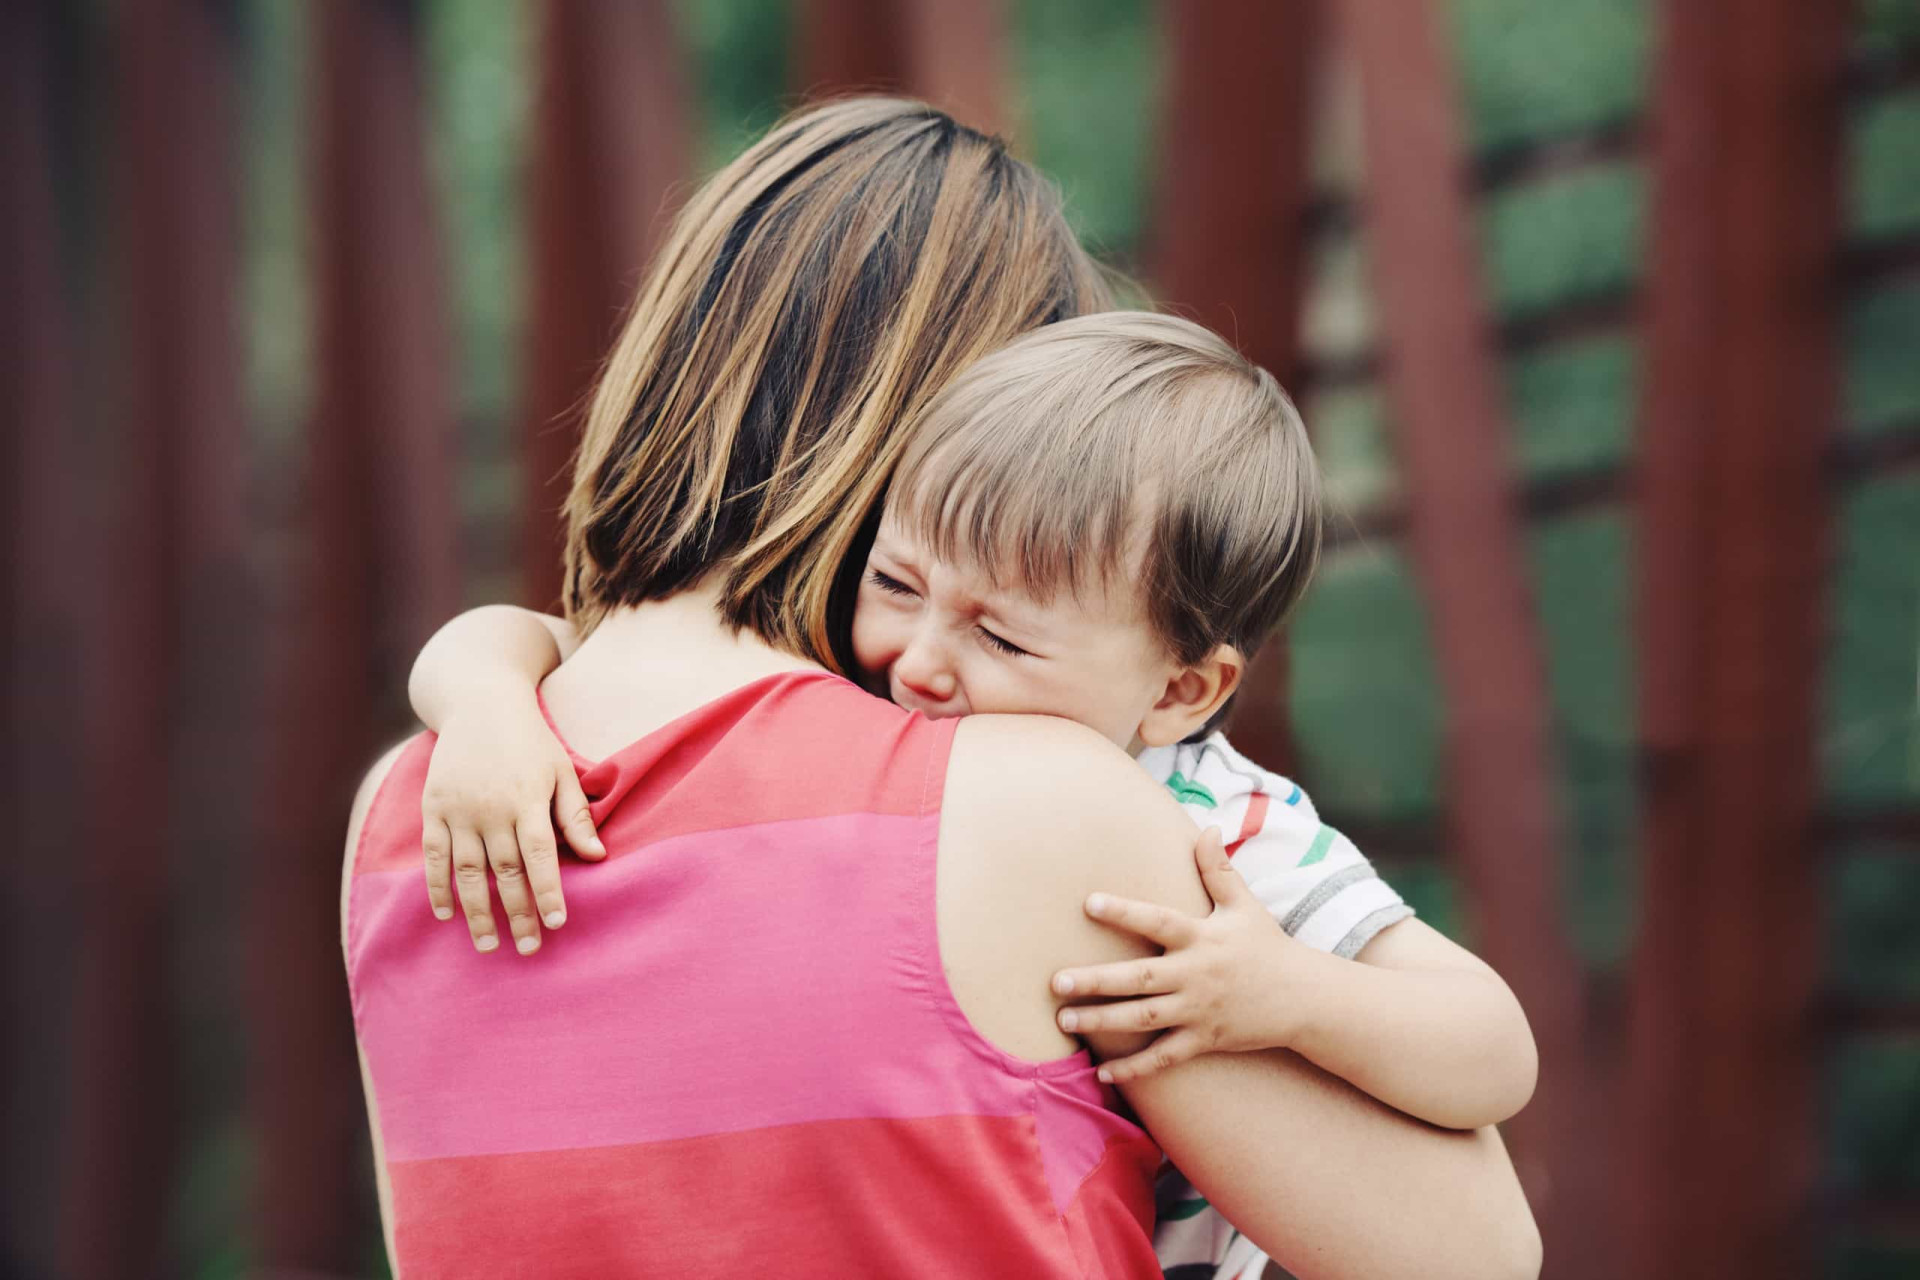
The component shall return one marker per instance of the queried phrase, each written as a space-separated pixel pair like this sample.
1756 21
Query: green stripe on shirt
1322 841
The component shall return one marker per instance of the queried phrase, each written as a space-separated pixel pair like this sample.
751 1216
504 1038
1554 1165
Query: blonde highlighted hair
1127 448
808 301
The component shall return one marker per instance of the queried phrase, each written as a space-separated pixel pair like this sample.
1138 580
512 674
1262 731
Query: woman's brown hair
810 299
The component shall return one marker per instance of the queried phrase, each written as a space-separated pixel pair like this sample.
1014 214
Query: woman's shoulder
1053 773
1040 813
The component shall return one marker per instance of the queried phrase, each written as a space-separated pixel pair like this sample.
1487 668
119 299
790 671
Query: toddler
1103 521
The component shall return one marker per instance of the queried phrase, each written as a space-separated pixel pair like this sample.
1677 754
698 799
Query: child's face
941 639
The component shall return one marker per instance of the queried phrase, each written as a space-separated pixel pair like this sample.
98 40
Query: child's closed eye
1000 645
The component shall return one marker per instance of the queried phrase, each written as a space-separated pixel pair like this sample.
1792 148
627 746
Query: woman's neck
646 665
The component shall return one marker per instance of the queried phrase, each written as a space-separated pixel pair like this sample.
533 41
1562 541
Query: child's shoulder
1210 773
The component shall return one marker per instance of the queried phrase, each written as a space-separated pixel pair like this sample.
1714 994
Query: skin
944 639
1418 1023
1382 1194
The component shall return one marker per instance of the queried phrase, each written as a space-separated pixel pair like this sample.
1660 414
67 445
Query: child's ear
1192 695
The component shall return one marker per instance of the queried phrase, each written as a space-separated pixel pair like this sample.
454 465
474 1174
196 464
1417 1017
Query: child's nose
923 669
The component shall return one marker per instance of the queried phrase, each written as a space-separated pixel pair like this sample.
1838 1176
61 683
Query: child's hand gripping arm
1417 1022
499 782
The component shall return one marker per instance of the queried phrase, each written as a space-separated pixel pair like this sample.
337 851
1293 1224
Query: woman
805 1020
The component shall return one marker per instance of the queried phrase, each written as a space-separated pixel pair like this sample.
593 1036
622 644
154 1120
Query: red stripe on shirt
1250 825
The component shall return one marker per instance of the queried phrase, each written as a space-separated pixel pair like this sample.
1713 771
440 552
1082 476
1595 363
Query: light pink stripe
762 975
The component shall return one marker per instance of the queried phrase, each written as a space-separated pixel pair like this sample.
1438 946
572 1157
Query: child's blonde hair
1124 447
809 299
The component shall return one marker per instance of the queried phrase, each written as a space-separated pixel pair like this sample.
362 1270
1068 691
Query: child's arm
500 781
1417 1022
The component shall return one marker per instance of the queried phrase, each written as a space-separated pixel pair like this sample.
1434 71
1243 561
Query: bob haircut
807 302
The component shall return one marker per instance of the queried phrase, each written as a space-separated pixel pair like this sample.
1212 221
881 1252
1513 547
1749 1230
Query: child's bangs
1037 520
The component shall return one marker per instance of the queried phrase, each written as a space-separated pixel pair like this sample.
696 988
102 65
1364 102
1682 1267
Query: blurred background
1604 314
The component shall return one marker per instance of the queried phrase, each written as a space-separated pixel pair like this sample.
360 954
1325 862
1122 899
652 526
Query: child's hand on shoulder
497 787
1230 982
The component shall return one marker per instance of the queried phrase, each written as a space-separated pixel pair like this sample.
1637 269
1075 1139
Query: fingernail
555 919
1106 1076
487 943
1096 904
527 946
443 913
1069 1019
1063 983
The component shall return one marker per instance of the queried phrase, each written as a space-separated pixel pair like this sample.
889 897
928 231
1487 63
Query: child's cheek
868 651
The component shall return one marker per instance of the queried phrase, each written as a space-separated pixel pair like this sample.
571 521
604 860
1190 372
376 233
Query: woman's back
743 1051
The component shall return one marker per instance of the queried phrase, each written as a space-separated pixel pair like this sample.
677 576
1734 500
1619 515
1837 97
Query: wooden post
1229 236
612 134
948 54
1740 406
955 59
1467 545
377 572
41 632
174 465
846 46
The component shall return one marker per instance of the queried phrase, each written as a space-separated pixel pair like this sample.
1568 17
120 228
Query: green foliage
1873 949
1886 27
1583 590
1859 1257
1349 429
1874 1108
1366 704
1090 78
1530 70
275 295
1433 891
1568 238
479 79
1882 390
1884 179
1573 405
1871 734
737 55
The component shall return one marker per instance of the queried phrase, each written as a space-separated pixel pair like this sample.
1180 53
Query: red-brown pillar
173 465
949 54
39 630
1228 245
1740 407
1467 545
376 572
611 143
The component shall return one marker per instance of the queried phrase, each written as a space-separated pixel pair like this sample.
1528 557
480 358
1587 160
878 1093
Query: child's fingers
510 881
470 883
1224 884
437 843
542 859
574 816
1150 976
1128 1015
1150 920
1169 1050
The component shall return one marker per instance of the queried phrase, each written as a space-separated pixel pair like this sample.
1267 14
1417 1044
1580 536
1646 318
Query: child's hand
496 784
1223 983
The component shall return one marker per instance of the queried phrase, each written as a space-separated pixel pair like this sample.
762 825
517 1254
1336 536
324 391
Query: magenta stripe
628 1028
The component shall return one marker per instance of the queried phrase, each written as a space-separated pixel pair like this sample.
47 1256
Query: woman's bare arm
1038 814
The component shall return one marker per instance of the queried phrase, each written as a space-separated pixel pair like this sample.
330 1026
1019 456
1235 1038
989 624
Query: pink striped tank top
741 1056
